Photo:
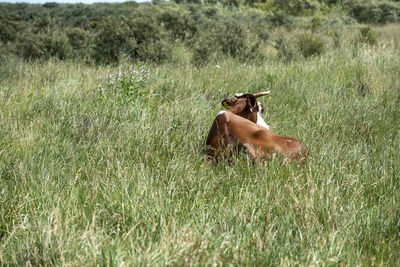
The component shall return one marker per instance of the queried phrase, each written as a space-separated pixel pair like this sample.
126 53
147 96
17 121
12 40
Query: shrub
43 45
204 50
232 39
229 39
374 12
337 20
336 38
147 40
50 5
315 24
8 30
139 38
45 23
79 41
42 38
110 39
287 48
179 25
156 51
77 37
211 12
260 30
298 7
390 12
279 19
367 35
310 45
29 47
235 3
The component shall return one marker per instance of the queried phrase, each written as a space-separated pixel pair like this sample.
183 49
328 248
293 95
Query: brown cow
247 107
240 125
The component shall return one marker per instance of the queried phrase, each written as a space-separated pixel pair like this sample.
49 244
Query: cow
247 107
240 125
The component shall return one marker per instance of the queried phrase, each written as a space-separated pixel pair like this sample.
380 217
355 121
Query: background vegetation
107 33
105 108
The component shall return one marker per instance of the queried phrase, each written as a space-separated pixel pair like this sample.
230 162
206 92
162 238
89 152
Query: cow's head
247 106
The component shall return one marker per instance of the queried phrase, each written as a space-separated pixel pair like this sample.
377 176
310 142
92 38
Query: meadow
105 164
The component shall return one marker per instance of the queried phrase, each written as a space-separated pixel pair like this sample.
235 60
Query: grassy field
95 176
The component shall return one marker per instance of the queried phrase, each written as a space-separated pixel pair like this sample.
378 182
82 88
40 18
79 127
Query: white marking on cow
237 95
221 112
260 120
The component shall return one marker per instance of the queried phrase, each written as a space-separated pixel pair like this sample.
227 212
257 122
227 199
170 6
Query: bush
45 23
148 41
367 35
8 30
228 39
77 37
232 39
79 41
260 30
43 45
337 20
179 25
307 45
110 40
336 38
375 12
140 38
310 45
315 24
390 12
298 7
287 48
279 19
204 49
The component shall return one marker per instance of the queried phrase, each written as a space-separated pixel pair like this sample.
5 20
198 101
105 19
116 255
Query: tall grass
93 178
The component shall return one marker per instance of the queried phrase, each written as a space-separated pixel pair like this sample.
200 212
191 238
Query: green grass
96 179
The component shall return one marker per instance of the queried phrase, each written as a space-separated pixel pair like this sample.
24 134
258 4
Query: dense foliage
149 32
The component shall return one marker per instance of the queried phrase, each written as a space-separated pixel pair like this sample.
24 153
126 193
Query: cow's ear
226 102
251 101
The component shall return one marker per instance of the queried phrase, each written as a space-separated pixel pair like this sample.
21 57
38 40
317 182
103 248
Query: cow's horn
261 94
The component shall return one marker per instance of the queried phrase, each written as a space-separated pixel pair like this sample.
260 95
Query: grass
90 178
